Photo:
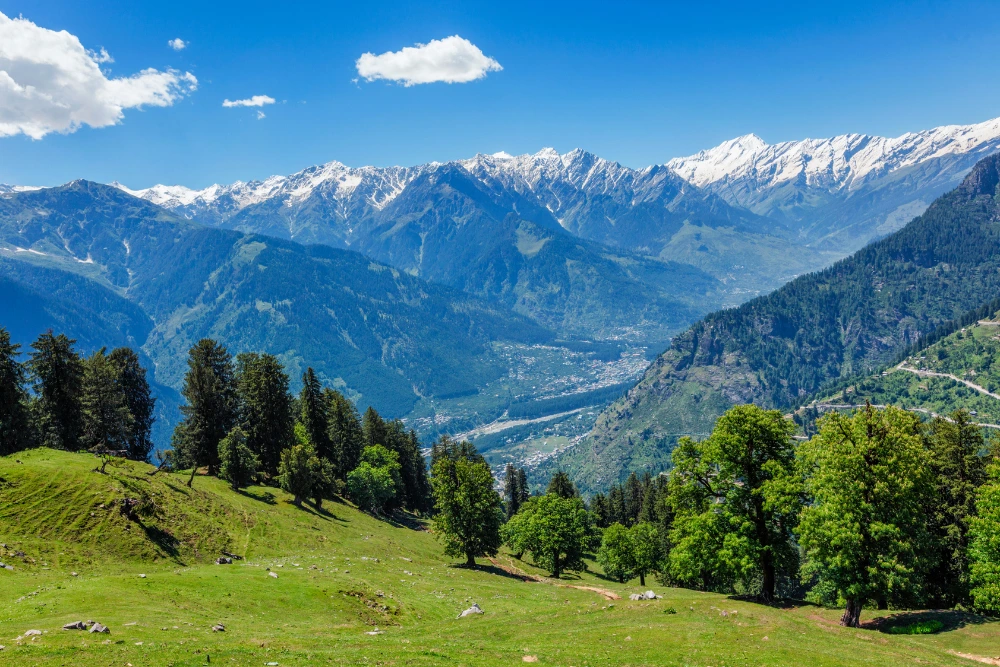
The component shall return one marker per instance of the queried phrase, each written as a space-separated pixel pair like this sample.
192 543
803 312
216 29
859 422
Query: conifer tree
958 469
344 432
313 414
511 492
599 507
522 486
374 428
562 486
56 374
238 463
633 493
14 425
210 411
130 377
324 481
107 421
264 407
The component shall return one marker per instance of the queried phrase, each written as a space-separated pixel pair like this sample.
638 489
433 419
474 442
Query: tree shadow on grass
162 539
178 489
498 571
776 603
265 497
950 619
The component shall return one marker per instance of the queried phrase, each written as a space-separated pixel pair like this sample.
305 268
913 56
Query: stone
218 627
529 658
223 560
77 625
273 574
32 633
474 609
97 627
142 576
650 595
636 596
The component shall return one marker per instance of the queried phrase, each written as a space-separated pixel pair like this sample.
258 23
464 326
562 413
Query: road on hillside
970 385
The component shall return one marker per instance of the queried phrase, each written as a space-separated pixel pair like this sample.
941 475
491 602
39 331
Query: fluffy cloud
452 60
255 101
177 44
50 83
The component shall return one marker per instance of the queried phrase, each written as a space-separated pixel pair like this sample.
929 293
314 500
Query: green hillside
776 350
960 371
340 575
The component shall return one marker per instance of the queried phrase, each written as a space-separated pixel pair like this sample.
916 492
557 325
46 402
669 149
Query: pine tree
511 493
130 377
344 432
958 469
374 428
633 499
522 487
562 486
599 507
14 424
210 411
265 408
56 373
313 414
238 463
107 421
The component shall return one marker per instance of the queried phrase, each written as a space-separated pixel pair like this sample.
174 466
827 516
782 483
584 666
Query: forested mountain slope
380 334
778 349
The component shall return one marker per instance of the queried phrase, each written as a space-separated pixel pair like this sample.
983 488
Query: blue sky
635 82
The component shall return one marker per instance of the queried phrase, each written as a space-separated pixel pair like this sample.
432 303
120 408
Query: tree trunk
194 469
768 585
555 565
470 560
319 503
852 615
642 578
298 501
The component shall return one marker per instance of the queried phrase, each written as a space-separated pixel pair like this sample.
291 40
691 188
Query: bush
920 628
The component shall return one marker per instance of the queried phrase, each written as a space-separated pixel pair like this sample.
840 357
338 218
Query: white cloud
452 60
50 83
177 44
255 101
261 115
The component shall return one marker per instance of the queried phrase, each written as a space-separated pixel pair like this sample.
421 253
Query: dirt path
853 406
513 570
978 658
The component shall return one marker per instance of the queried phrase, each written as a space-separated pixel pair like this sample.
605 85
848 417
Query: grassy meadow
351 589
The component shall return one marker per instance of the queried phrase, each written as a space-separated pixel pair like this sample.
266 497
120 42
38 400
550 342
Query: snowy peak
844 161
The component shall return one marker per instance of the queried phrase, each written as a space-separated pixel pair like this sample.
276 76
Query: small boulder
273 574
218 627
474 609
650 595
99 628
32 633
636 596
223 560
77 625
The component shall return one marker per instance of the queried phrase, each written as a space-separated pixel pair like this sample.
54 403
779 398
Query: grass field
340 575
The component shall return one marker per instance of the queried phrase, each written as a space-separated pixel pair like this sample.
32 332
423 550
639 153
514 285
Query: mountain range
397 283
777 350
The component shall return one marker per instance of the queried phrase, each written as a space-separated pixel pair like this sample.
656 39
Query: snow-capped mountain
7 189
730 210
846 161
